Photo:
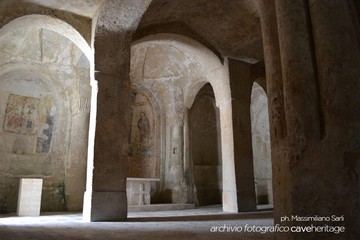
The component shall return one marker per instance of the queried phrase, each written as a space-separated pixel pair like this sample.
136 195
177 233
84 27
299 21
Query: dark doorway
204 148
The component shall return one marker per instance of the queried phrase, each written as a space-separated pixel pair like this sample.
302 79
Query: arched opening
44 110
144 149
174 68
261 145
204 148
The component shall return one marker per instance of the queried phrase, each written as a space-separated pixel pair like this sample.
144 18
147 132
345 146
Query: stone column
241 85
297 182
223 100
275 94
336 40
313 162
176 166
105 197
229 196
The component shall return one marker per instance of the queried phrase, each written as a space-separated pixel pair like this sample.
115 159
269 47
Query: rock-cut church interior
243 111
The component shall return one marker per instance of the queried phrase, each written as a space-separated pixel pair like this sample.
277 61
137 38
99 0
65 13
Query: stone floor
185 224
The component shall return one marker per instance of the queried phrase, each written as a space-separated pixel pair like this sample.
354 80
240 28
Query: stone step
159 207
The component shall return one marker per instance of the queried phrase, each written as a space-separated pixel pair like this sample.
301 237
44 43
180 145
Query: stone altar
138 190
29 197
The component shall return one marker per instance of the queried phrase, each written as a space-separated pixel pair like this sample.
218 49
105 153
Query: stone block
29 200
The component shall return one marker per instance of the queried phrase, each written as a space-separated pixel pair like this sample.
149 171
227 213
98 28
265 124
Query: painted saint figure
143 125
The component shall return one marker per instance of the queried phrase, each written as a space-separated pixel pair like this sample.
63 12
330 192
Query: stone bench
138 190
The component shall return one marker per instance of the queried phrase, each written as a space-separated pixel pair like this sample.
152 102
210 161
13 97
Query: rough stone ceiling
231 27
85 8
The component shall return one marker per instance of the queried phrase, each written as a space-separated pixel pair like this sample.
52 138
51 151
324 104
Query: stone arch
261 144
194 90
261 81
40 151
52 24
204 148
44 75
10 73
201 66
160 128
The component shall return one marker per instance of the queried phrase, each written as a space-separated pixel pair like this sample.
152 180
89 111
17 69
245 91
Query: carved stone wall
44 92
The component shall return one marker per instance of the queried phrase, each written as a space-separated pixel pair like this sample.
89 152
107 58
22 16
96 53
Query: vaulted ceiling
230 28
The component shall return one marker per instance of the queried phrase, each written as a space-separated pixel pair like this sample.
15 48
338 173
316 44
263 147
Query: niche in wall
143 162
29 117
44 111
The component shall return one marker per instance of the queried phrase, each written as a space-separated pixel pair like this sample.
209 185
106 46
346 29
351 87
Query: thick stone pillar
315 161
338 61
224 119
105 197
299 72
241 85
275 94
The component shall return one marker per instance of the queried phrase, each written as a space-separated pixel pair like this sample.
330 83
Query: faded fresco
46 125
21 115
141 141
141 127
30 116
